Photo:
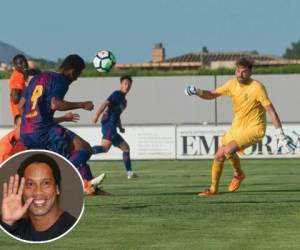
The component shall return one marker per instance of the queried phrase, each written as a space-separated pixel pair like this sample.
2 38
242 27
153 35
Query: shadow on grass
271 184
270 191
254 202
139 206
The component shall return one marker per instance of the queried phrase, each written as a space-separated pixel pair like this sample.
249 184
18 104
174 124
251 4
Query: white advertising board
182 142
201 142
146 142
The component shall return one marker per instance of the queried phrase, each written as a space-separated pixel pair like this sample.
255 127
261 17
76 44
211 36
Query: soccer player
39 130
110 121
11 143
250 101
37 196
17 82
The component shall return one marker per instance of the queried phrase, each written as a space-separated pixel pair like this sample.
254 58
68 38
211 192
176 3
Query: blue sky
130 28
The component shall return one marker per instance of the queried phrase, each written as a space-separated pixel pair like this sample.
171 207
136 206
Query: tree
205 49
293 52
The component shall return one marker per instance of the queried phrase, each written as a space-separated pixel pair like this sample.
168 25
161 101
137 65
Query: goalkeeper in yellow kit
250 101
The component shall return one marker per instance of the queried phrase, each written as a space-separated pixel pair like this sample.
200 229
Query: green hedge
91 72
288 69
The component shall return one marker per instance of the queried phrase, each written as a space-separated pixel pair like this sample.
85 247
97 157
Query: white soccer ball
104 61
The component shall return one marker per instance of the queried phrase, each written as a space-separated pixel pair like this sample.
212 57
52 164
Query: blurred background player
11 143
30 74
112 109
17 82
250 101
39 130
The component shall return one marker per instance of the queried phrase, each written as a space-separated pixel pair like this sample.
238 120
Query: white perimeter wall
161 100
183 142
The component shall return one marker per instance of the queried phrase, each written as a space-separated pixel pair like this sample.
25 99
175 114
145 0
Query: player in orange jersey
17 82
11 143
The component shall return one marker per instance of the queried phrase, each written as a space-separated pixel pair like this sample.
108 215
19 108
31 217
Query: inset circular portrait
41 196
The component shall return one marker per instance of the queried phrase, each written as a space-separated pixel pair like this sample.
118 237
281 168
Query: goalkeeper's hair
244 62
42 158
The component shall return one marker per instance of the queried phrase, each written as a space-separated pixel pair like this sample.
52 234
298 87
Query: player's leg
216 172
217 167
244 139
79 150
80 154
238 175
118 141
107 134
234 160
230 153
70 145
103 148
73 147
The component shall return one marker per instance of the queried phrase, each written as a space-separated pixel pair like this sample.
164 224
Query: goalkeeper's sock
235 163
216 171
97 149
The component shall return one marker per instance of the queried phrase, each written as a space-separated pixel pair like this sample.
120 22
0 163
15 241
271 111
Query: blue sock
85 172
79 158
127 161
97 149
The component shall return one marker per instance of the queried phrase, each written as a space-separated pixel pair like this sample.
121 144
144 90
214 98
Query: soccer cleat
98 180
88 189
207 193
131 175
91 187
236 182
91 190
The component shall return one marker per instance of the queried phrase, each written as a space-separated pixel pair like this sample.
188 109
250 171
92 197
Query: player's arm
21 104
283 140
101 109
62 105
120 126
16 95
204 94
68 117
274 116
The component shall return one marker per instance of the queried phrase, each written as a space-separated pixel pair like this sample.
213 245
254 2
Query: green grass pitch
160 209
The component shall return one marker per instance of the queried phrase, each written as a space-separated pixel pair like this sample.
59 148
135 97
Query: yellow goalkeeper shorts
244 137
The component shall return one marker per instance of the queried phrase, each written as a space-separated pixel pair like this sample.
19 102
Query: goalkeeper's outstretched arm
207 94
204 94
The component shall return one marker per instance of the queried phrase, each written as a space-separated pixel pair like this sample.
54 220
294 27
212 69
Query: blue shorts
110 133
57 139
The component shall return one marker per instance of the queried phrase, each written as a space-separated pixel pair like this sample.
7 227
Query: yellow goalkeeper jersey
248 101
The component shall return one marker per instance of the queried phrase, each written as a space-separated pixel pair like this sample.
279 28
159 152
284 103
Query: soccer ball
104 61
